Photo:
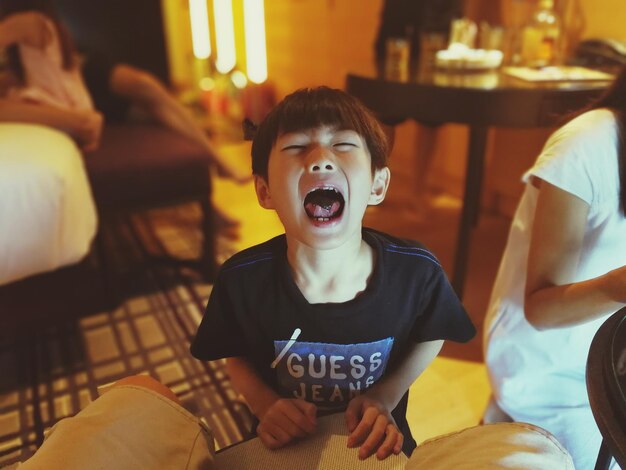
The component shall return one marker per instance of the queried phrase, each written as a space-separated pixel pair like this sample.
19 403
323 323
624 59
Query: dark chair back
606 387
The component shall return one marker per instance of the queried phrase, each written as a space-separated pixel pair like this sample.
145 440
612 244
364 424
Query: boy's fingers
364 427
268 440
374 438
398 447
309 409
352 414
305 417
389 445
290 427
278 436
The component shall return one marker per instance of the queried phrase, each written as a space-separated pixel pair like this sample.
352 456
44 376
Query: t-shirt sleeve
563 165
442 314
219 334
579 155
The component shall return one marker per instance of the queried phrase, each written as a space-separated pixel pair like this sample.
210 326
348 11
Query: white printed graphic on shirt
329 374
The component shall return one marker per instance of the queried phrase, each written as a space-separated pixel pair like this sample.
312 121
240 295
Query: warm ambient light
254 26
239 79
200 28
207 84
224 35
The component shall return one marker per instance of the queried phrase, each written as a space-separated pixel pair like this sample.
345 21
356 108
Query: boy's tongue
323 203
327 210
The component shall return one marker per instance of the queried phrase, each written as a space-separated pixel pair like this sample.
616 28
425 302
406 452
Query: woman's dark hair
615 99
47 8
309 108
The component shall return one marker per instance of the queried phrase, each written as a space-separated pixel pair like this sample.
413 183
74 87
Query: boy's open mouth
324 204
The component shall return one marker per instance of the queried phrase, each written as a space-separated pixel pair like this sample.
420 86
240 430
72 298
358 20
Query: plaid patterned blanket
52 369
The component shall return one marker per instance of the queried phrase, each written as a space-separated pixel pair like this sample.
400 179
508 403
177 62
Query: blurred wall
178 42
313 42
603 18
122 30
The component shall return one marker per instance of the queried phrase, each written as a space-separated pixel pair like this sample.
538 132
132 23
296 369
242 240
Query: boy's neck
335 275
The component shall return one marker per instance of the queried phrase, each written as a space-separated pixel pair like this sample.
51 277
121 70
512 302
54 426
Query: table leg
471 203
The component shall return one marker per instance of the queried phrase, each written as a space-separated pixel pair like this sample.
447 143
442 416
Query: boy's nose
320 163
322 167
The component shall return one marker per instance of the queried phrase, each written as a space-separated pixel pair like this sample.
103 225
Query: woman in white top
562 274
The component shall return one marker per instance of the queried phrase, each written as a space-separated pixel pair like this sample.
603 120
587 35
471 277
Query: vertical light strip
199 17
224 35
256 55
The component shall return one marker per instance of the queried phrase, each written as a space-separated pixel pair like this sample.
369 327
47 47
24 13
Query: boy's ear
380 184
263 194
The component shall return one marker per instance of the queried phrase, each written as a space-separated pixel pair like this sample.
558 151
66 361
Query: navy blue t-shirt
342 348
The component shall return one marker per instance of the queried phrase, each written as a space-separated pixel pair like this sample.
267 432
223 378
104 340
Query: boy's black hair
309 108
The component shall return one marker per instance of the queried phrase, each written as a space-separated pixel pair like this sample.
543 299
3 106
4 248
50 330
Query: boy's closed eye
345 146
294 149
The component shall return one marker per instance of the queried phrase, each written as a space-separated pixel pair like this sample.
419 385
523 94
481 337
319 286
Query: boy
328 316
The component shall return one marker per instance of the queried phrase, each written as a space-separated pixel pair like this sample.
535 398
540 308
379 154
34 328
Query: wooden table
479 100
606 387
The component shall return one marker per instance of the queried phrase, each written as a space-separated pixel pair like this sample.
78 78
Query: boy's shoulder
409 250
256 254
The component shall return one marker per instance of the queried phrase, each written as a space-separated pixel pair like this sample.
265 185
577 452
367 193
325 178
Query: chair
606 387
140 167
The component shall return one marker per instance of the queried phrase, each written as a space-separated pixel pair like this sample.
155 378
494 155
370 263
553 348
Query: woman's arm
84 126
149 92
27 28
552 298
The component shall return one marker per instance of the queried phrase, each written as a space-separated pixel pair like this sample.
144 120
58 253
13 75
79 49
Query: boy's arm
368 416
281 420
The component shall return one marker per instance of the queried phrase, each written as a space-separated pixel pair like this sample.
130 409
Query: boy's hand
372 427
286 420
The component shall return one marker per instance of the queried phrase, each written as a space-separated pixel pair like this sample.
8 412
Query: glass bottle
540 39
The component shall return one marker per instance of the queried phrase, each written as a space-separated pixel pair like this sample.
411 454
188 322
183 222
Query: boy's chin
328 236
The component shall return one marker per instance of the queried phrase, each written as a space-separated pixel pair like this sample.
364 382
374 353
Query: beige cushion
127 428
501 445
326 449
